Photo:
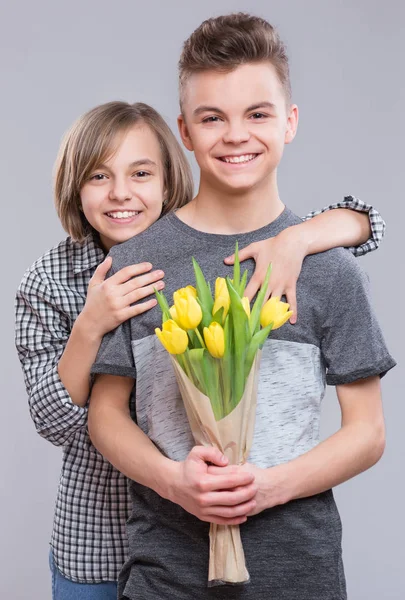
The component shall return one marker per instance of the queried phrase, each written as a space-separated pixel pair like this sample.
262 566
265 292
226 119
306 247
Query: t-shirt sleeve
115 356
115 353
352 345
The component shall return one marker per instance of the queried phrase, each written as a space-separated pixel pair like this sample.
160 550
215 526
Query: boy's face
237 124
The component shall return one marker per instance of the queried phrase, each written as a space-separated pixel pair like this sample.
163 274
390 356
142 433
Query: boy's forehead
246 85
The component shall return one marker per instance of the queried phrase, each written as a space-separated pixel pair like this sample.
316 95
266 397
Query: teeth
123 214
239 159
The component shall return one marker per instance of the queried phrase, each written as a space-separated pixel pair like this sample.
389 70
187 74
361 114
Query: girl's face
124 196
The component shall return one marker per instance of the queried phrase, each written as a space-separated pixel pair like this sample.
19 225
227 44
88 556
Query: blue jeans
65 589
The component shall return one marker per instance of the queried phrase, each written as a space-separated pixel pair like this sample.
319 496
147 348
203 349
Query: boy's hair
224 43
93 139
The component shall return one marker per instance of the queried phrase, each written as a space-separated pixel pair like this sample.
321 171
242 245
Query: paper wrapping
233 435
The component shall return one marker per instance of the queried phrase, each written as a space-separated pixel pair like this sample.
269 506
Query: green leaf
242 285
204 295
219 316
236 268
258 305
241 337
256 343
164 306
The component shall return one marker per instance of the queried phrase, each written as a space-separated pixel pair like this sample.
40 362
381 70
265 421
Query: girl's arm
360 229
108 304
56 360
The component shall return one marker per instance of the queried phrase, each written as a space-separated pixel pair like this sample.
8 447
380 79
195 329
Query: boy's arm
224 499
357 446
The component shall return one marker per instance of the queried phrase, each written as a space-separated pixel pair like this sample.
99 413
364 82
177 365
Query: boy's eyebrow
261 105
204 108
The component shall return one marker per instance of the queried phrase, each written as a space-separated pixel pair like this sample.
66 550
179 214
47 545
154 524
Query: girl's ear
292 124
184 134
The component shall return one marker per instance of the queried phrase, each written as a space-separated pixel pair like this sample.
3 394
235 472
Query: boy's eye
212 119
258 115
141 174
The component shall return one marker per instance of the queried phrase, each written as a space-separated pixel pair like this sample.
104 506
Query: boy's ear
184 134
292 124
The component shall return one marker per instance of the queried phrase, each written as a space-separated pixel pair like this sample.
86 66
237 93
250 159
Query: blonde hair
226 42
94 138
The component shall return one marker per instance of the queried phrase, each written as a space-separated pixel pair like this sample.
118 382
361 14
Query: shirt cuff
377 223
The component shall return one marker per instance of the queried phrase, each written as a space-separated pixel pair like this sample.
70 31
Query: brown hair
94 138
226 42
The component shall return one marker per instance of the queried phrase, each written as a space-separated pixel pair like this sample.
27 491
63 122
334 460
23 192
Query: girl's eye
212 119
97 177
141 174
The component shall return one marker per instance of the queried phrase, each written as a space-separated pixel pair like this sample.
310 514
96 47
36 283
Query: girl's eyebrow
142 161
132 165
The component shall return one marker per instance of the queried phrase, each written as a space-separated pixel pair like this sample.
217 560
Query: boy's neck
218 211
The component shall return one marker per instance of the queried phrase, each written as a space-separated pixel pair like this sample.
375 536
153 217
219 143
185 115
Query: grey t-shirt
292 551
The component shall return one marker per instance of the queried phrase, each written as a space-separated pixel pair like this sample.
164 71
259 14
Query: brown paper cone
233 435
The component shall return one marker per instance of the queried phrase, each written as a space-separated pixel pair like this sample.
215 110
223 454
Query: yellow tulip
173 337
173 314
276 312
215 340
246 305
191 290
222 298
187 310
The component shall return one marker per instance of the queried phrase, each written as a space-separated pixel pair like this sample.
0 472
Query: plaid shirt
93 504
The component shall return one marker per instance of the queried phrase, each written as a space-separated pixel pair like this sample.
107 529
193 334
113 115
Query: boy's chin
239 186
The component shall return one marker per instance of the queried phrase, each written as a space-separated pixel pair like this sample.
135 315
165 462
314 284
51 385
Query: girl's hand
108 302
286 251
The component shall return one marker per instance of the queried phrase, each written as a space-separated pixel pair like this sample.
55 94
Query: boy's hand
286 251
225 498
269 483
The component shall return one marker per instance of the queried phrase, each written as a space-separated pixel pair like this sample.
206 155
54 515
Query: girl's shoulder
62 262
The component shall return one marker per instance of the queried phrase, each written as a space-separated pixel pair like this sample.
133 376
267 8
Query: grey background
59 59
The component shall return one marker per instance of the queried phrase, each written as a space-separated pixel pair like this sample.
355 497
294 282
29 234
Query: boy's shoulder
333 270
144 246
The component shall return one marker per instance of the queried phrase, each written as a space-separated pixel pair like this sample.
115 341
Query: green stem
200 339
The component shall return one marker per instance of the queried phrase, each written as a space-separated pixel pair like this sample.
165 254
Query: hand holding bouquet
215 343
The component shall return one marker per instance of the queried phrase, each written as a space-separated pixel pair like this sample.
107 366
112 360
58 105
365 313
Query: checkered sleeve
41 333
377 224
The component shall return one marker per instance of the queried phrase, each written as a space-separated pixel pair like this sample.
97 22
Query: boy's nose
236 133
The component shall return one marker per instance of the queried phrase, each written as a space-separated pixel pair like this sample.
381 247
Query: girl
119 168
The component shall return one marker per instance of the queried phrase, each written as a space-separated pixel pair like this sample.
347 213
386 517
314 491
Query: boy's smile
237 124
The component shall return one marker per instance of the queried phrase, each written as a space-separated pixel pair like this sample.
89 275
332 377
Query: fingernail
224 459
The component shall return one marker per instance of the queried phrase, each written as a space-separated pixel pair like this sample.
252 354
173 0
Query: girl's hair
93 139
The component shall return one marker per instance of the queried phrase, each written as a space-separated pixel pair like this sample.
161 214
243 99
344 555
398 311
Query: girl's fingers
140 282
248 252
101 271
255 284
291 296
142 292
138 309
131 271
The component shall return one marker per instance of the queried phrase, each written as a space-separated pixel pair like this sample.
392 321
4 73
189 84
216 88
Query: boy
236 115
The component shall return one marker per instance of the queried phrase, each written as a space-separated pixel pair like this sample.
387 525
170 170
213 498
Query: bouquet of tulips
215 344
